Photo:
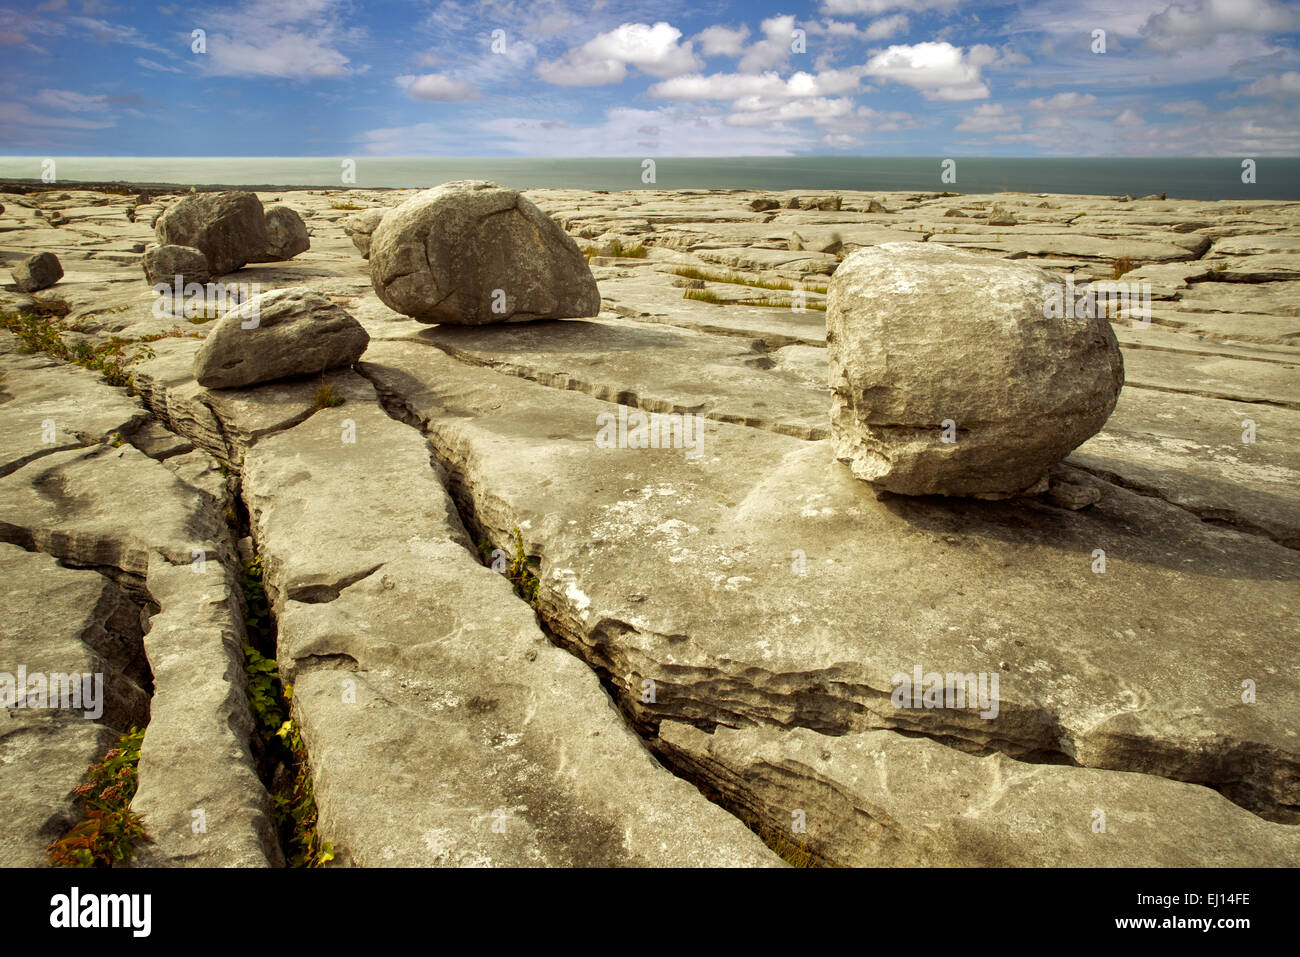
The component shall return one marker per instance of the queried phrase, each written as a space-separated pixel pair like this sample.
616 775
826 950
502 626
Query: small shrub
1122 265
327 398
615 248
703 295
111 831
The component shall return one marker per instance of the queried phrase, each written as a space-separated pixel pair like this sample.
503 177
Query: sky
618 78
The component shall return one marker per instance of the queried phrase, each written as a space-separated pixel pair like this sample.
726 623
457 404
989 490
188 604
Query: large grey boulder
947 377
286 236
285 332
37 272
162 264
229 228
471 252
361 227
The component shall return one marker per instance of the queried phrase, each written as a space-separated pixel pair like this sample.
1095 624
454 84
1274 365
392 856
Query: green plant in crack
517 570
293 798
111 831
39 332
296 810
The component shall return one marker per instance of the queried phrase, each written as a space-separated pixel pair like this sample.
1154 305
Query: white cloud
1185 108
873 8
288 54
1130 117
290 39
887 27
1275 84
758 111
730 86
1064 102
722 41
989 118
606 57
71 101
622 131
438 88
774 49
154 65
940 71
1196 22
19 115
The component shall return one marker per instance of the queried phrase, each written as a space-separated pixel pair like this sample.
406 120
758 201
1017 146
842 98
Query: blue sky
617 78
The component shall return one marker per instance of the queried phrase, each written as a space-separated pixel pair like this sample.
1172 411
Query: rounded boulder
958 374
473 253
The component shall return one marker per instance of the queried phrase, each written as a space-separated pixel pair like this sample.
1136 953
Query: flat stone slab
877 799
1189 450
118 509
51 619
1270 298
1219 377
48 406
733 635
443 727
656 368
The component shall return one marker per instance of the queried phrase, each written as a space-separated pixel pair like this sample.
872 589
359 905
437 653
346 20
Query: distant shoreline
25 186
1268 178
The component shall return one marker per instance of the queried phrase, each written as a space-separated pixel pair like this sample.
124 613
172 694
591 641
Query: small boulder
948 376
762 205
955 213
1000 216
229 228
795 242
293 331
832 244
361 227
37 272
162 264
472 253
286 236
826 204
873 206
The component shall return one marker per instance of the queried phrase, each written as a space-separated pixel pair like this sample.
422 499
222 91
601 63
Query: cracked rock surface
730 624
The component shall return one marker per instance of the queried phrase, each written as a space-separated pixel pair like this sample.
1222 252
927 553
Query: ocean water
1198 178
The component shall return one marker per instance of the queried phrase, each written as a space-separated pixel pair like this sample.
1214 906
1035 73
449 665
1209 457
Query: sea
1274 178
